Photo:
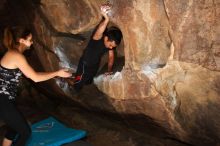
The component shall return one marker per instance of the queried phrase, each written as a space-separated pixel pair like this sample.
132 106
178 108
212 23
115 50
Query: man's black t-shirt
94 51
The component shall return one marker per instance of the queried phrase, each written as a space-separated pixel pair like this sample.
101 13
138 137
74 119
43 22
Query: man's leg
91 74
78 83
86 77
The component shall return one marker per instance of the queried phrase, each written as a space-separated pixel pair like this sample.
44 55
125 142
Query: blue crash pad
50 132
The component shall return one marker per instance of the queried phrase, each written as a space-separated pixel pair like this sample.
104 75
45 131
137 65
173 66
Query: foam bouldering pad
50 132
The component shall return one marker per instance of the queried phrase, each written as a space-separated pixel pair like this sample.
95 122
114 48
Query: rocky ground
103 130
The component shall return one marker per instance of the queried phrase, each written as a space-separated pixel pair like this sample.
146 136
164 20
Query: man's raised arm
102 26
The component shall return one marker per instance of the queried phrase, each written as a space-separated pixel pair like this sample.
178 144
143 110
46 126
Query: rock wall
172 59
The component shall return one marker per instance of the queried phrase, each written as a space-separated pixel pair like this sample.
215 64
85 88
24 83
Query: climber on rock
101 42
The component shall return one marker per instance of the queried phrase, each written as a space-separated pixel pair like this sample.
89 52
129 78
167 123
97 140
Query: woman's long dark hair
12 36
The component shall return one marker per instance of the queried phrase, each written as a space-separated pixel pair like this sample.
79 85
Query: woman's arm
29 72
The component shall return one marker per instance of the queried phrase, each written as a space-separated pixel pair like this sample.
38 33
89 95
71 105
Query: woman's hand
64 73
108 73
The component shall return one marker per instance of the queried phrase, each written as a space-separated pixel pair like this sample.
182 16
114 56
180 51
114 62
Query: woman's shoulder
11 59
13 55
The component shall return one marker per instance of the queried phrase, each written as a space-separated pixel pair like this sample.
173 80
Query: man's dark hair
114 34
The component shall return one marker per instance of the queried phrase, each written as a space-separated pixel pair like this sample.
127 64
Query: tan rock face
195 29
145 30
64 16
172 59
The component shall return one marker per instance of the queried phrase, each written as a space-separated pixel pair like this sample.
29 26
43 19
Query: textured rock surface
180 91
195 31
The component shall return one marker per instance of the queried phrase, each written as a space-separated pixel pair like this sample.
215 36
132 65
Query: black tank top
94 51
9 81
